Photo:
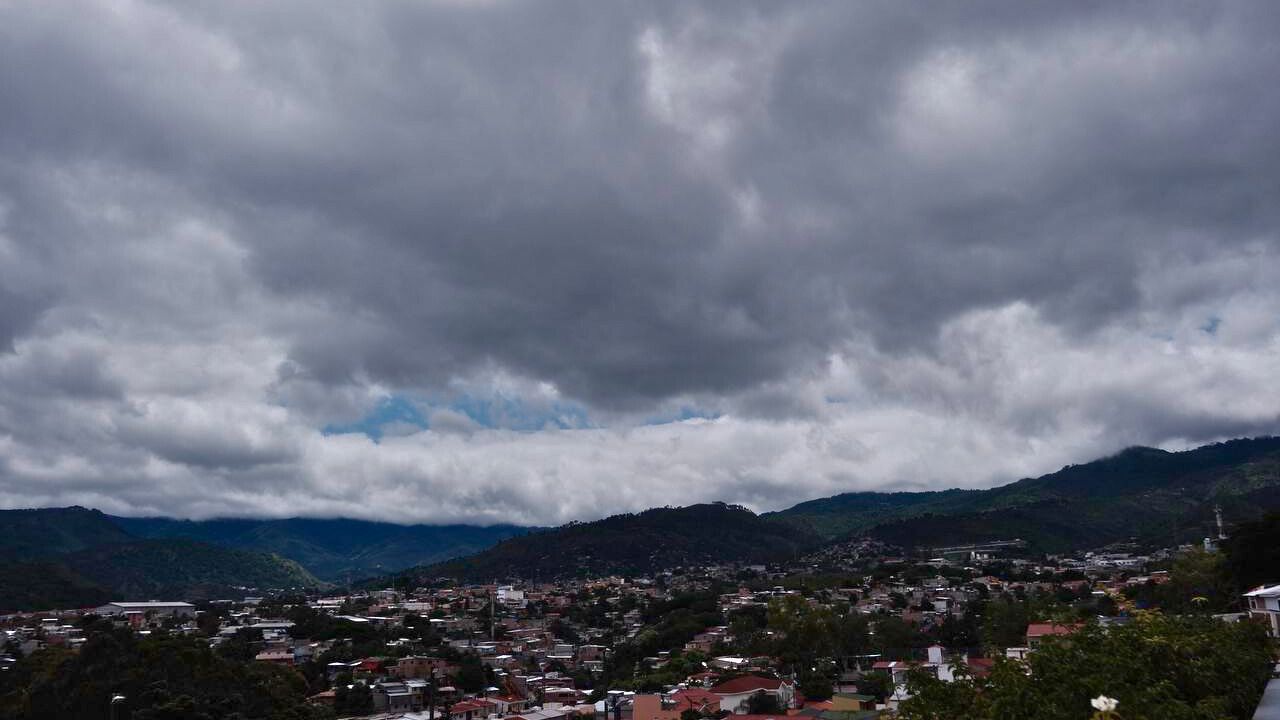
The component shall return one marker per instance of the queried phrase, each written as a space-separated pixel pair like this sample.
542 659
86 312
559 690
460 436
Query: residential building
735 693
1264 604
151 608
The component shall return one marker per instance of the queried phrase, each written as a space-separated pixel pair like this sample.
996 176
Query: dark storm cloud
263 219
18 315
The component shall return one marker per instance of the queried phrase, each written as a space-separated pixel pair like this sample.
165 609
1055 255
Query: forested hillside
646 542
337 550
76 557
1152 495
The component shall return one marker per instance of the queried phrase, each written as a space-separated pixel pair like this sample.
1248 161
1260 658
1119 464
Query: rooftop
1266 591
151 604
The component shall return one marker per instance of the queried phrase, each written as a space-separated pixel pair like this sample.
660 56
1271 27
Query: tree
242 646
896 637
1004 623
1158 667
877 683
1253 553
470 676
958 632
851 636
816 686
163 677
1197 582
351 699
806 633
209 622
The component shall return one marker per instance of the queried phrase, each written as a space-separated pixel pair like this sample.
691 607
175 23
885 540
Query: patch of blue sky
1211 325
513 413
684 413
394 409
494 412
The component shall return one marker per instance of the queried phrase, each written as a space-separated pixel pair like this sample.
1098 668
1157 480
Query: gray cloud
882 246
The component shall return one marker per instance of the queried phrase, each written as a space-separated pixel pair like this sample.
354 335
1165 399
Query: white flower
1102 703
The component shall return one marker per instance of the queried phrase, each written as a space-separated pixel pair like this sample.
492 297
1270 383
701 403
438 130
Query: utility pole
492 635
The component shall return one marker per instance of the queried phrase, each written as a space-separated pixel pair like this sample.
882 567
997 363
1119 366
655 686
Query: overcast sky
534 262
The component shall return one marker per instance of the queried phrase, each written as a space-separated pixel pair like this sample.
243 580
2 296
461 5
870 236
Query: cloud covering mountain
512 262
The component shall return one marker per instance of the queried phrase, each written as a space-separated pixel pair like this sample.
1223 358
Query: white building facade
1264 604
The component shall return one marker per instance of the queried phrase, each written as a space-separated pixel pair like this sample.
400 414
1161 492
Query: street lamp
116 699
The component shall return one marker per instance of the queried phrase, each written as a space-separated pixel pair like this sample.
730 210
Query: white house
1264 604
735 693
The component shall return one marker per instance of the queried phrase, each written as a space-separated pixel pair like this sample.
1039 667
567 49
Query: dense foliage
162 677
336 550
1253 553
74 557
46 584
1201 581
30 534
646 542
1159 668
669 624
185 569
1198 582
856 512
815 636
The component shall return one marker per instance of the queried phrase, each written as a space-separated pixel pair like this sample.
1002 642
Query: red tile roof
470 705
1044 629
695 697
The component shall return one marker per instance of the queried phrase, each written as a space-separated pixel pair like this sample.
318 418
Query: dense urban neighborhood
859 630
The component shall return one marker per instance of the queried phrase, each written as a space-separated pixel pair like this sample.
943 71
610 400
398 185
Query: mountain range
1144 494
335 550
1148 495
76 557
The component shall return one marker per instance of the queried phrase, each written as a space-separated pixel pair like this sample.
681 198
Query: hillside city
858 630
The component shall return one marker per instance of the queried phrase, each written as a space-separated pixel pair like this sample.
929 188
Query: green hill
185 569
42 585
142 570
47 532
1158 497
337 550
76 557
1152 495
849 513
645 542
